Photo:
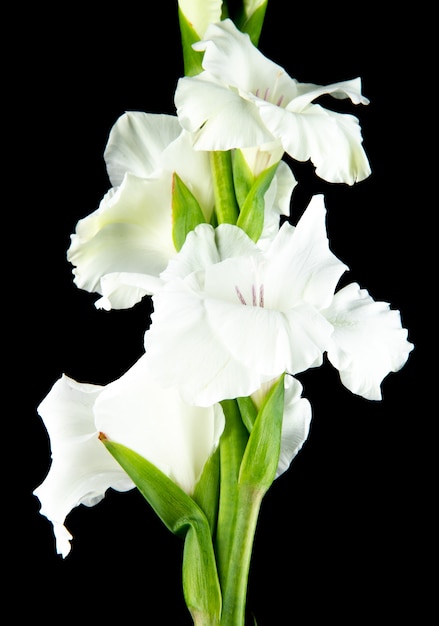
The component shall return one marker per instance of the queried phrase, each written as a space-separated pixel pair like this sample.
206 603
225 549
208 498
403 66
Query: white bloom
120 249
133 411
242 99
232 316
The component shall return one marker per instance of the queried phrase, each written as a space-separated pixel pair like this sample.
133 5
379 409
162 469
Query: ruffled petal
332 141
82 470
136 143
131 231
368 341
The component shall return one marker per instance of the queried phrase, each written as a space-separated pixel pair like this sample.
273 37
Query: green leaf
243 178
207 490
182 516
261 457
186 212
251 217
191 58
248 411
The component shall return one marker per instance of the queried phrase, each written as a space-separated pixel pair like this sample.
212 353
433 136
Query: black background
344 533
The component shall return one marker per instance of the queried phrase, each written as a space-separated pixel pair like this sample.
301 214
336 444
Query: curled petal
136 143
368 341
296 423
82 470
131 231
122 290
308 92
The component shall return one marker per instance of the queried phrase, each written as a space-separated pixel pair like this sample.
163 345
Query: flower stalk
226 206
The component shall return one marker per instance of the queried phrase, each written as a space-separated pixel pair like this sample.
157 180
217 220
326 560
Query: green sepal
251 217
206 491
243 178
186 212
248 411
252 24
183 517
192 59
261 457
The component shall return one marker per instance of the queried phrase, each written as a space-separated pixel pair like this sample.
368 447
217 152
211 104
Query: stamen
239 294
261 296
254 295
267 91
279 102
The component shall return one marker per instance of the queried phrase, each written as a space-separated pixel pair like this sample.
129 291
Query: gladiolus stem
226 205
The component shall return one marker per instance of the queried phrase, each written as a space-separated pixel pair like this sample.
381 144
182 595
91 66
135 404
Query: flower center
257 298
270 93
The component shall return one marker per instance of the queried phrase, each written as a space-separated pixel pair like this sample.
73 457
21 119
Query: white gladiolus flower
245 315
242 99
175 437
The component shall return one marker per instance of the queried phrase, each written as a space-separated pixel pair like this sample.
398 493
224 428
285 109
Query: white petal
131 231
201 13
301 266
121 290
157 424
368 341
136 143
331 140
219 118
233 60
82 469
296 423
205 246
307 92
277 202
